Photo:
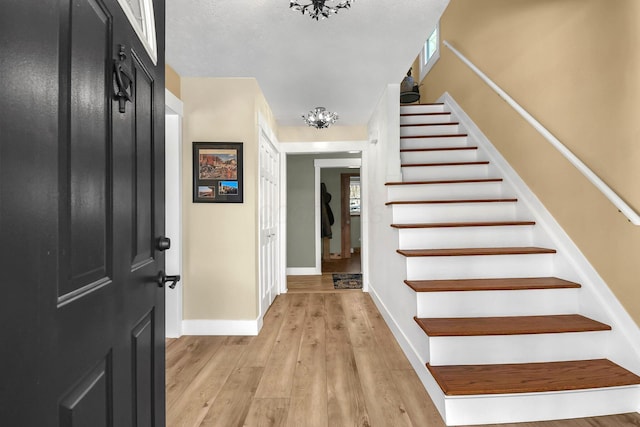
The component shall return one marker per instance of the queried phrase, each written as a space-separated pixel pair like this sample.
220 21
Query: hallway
324 282
321 359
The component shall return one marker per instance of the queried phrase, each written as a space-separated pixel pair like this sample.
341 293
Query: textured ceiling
342 63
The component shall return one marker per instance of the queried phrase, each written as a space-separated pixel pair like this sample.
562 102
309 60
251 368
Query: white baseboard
221 327
303 271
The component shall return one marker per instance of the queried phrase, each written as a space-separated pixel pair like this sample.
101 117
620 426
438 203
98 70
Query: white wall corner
173 104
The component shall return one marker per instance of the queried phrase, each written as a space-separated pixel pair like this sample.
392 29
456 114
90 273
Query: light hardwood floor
323 358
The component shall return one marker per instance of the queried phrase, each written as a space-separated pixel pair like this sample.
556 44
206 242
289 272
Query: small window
141 16
354 195
430 52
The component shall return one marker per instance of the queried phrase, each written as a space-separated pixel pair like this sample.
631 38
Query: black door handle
123 84
164 279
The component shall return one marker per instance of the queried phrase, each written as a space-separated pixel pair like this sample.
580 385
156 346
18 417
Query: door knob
163 243
164 279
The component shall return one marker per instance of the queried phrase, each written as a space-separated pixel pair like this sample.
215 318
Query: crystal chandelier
317 8
320 118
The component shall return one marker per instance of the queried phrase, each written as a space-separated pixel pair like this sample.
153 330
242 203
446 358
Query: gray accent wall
300 212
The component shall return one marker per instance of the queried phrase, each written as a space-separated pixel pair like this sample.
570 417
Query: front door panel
81 207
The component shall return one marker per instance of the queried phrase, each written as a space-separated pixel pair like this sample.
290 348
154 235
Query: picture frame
218 172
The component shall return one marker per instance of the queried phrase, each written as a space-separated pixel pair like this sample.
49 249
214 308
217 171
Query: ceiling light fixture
320 118
317 8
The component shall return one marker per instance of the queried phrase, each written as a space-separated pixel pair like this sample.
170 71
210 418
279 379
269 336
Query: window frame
426 63
147 31
353 181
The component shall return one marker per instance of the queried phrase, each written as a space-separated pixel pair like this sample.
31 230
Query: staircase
504 338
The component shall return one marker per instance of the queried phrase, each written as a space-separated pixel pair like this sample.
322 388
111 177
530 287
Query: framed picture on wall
217 172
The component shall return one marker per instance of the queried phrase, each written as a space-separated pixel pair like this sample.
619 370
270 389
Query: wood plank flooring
323 358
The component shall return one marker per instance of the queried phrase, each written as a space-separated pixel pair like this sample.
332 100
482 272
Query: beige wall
575 66
172 80
221 240
333 133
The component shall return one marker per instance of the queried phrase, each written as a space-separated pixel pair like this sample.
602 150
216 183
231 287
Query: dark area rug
347 281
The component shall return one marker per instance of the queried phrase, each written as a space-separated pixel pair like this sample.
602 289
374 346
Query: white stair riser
425 118
530 302
435 142
531 348
452 212
512 408
434 173
473 267
444 129
465 237
438 156
421 109
463 190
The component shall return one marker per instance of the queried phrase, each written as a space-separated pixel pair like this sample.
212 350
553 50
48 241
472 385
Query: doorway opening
173 211
342 252
304 172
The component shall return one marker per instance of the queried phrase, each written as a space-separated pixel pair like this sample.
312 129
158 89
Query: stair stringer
596 300
413 343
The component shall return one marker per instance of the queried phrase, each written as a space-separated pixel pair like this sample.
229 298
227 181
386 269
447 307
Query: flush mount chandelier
318 9
320 118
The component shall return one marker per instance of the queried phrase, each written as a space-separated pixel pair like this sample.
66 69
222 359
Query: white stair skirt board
485 350
434 173
411 340
449 191
433 142
433 129
512 408
465 237
454 212
498 303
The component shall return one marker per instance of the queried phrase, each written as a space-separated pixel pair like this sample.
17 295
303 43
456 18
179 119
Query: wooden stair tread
526 250
451 135
412 150
431 124
462 224
450 181
418 105
509 325
501 284
461 380
429 202
412 165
